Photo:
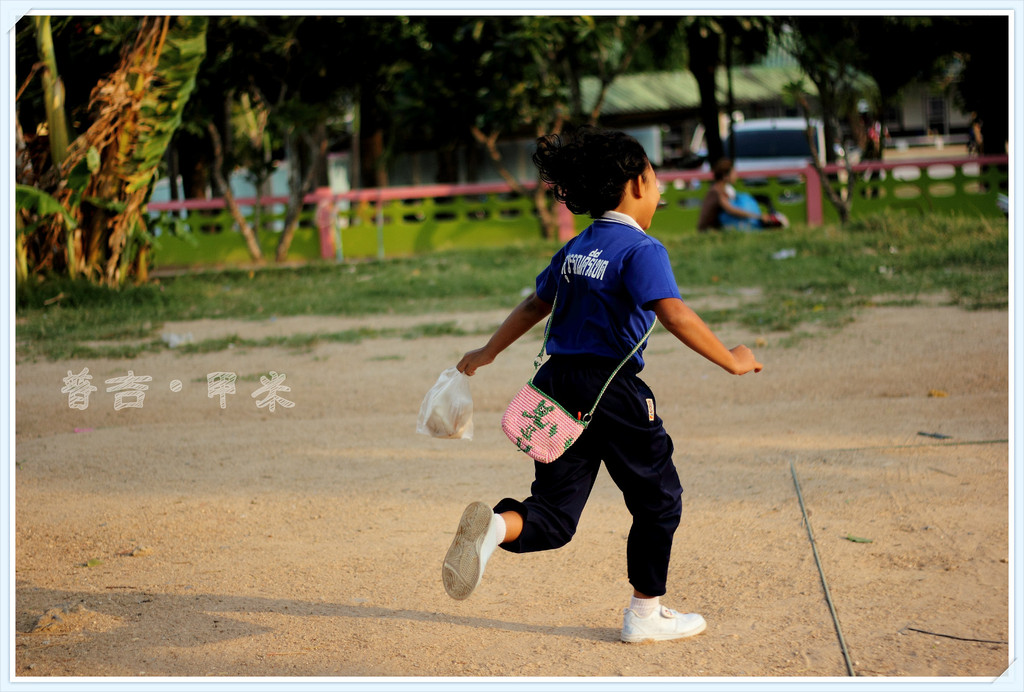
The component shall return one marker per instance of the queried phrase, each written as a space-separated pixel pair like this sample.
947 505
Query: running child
599 318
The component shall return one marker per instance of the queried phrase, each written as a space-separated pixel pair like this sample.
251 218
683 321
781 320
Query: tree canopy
269 88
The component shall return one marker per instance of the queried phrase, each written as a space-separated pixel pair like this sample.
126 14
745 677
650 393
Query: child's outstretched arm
521 320
688 327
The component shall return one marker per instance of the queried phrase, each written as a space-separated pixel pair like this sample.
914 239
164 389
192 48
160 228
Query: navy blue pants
627 434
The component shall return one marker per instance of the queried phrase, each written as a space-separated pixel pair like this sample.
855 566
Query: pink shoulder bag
537 424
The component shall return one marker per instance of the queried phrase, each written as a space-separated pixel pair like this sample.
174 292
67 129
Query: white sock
492 539
644 607
496 532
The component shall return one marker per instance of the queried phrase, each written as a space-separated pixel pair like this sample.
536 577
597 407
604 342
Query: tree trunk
490 142
53 89
842 206
448 164
642 34
193 166
372 122
229 198
297 189
548 219
172 172
547 215
704 51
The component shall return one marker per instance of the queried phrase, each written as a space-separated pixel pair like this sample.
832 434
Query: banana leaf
106 178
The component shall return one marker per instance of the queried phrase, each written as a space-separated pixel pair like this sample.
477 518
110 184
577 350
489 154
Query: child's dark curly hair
588 168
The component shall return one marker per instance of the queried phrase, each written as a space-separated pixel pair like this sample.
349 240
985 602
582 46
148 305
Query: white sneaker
664 623
469 551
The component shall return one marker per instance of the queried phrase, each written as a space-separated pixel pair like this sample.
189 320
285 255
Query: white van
772 143
768 143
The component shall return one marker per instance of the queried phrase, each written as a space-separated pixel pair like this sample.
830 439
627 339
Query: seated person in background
723 207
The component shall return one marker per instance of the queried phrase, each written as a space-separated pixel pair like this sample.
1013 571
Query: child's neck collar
613 215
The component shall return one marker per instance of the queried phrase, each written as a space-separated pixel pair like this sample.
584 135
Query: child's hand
473 360
745 360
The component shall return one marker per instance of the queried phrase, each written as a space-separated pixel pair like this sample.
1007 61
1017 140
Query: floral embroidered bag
537 424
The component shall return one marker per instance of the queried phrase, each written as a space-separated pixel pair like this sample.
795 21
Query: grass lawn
803 277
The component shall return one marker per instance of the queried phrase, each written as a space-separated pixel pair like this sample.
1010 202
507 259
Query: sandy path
182 539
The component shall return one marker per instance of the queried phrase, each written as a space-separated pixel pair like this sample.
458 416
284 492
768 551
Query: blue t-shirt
605 277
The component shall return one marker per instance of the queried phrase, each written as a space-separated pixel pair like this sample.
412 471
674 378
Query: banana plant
48 211
53 91
107 173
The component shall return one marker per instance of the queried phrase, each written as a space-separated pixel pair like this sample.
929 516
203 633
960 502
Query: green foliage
163 103
527 70
41 204
423 83
103 179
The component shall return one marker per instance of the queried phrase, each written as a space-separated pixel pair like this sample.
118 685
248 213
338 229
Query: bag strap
540 357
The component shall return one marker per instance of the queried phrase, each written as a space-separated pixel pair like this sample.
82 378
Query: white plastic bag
447 409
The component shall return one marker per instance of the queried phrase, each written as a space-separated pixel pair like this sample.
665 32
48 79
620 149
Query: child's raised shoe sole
464 563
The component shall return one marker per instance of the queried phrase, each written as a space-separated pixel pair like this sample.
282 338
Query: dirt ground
184 538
